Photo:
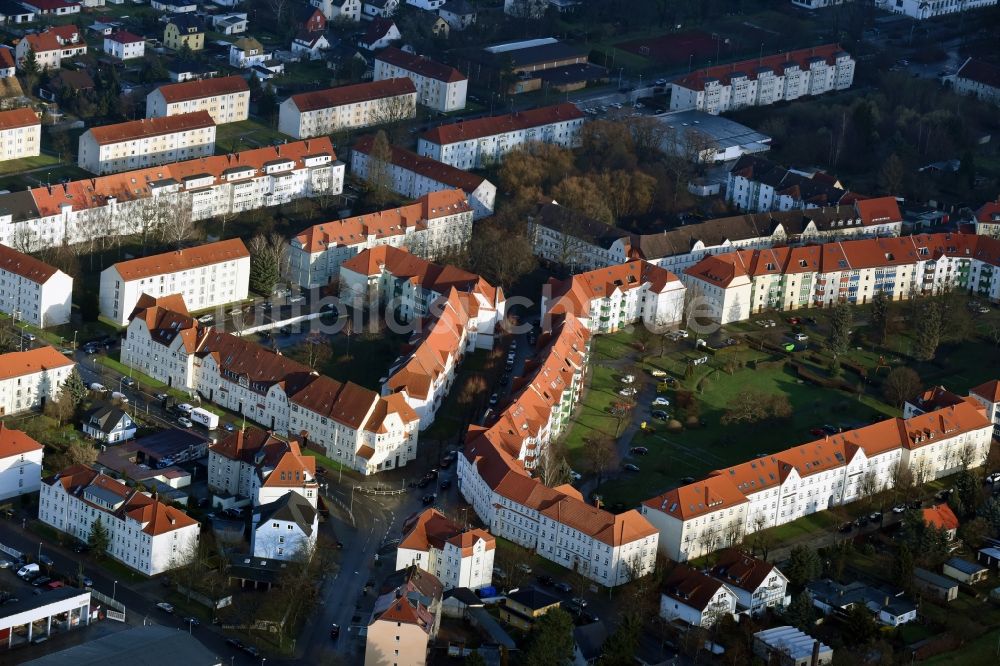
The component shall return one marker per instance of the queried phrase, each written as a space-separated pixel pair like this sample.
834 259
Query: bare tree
180 226
601 455
277 7
379 174
391 111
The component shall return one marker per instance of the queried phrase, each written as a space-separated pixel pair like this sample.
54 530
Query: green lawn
244 135
21 181
308 72
983 650
28 163
363 359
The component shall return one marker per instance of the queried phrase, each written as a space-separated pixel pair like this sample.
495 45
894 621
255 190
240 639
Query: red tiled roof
469 130
188 90
181 260
360 92
691 587
23 117
941 516
744 571
377 29
14 442
990 390
6 58
50 5
878 211
25 265
980 72
19 364
55 38
149 127
989 212
425 166
420 65
776 63
125 37
578 291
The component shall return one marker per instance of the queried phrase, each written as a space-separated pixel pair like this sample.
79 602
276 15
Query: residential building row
924 9
226 99
349 423
475 144
437 223
51 46
138 144
33 291
413 176
29 379
758 185
494 473
571 240
80 210
455 555
763 81
451 312
734 286
979 79
144 534
20 134
718 511
439 87
205 276
608 299
327 111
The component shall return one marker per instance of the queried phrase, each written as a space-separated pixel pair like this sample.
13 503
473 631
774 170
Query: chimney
814 660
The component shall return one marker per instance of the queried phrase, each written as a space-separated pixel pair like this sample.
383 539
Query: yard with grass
246 135
361 358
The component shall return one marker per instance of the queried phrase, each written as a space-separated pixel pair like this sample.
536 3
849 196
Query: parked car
494 399
576 476
658 373
428 499
100 388
546 580
335 631
660 401
523 568
41 580
687 479
899 508
128 381
629 467
628 379
564 587
638 450
165 607
659 414
185 421
800 337
992 477
628 391
845 528
46 560
579 601
206 318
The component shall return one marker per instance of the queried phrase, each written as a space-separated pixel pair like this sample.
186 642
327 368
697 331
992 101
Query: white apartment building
764 81
30 378
694 598
226 99
557 523
206 276
757 185
566 238
285 529
414 176
144 534
405 618
925 9
78 211
138 144
352 424
456 556
344 10
257 465
20 134
7 65
608 299
124 45
32 291
978 79
51 46
718 511
988 395
438 223
474 144
736 285
20 464
439 87
360 105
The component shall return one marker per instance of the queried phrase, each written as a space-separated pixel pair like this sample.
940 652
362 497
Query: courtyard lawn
245 135
361 358
28 163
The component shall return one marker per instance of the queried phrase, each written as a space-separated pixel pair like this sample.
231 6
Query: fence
115 615
13 552
105 599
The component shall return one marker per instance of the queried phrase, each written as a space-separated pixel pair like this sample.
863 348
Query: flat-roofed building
146 142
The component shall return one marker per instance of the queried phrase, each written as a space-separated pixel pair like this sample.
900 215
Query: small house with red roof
124 45
695 598
20 463
144 534
258 465
51 46
757 584
456 555
979 79
941 517
405 619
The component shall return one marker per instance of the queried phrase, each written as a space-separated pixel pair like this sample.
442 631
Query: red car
794 321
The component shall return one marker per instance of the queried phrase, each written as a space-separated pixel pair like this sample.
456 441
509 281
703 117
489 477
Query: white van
27 570
184 408
115 395
98 387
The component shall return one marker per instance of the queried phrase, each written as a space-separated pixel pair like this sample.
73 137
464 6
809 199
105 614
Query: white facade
474 144
144 143
32 291
344 10
361 105
440 222
144 534
455 556
20 134
227 99
79 211
125 46
285 530
924 9
206 276
780 488
722 603
246 53
978 79
20 464
439 87
51 46
29 379
414 176
764 81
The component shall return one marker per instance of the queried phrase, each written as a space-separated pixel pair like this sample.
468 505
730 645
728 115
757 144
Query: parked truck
204 417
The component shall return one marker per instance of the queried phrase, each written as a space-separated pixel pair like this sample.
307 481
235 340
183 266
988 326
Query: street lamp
39 550
114 591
